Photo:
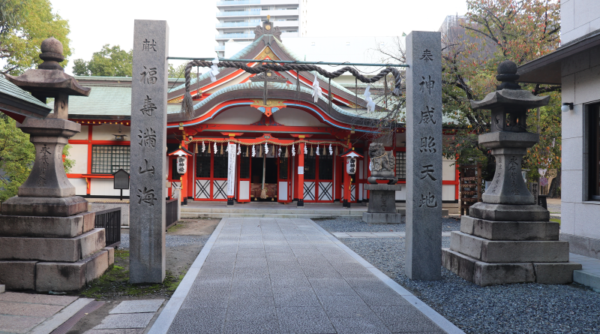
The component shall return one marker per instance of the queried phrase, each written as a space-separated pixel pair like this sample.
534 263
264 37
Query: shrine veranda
231 111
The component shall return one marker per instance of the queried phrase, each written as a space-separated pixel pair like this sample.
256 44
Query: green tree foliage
24 24
108 62
17 154
494 31
16 157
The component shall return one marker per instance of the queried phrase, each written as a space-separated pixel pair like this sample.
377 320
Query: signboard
181 165
351 165
121 179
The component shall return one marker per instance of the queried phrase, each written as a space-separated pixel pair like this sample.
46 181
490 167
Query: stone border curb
430 313
169 312
61 317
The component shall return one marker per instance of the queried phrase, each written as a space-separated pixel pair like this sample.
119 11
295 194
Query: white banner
231 170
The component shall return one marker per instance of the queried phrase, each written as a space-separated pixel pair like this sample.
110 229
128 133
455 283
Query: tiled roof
8 88
106 101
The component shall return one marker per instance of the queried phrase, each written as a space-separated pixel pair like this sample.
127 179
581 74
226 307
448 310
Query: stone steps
194 215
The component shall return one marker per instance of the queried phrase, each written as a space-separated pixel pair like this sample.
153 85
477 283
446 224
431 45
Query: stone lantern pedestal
382 204
48 239
508 238
382 198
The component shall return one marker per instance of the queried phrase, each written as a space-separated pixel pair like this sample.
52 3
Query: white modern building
576 67
237 19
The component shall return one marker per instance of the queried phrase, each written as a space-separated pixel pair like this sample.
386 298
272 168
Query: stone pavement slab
343 235
18 324
265 275
35 313
138 306
126 321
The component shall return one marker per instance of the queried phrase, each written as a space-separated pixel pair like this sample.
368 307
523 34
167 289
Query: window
325 167
594 152
203 164
283 168
310 164
221 161
401 165
109 159
244 166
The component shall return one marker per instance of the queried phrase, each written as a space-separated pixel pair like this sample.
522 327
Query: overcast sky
192 22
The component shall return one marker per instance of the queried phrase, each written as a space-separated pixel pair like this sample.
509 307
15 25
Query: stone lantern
48 239
507 238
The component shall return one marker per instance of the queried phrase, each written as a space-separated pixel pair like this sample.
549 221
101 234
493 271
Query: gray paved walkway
289 276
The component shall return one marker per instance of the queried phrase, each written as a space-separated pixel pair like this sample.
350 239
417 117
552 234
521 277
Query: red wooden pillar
300 184
347 185
184 179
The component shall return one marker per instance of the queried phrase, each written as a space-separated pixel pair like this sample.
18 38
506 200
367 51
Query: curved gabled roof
254 50
243 94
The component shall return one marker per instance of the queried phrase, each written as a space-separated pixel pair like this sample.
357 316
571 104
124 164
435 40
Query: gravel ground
347 224
171 240
514 308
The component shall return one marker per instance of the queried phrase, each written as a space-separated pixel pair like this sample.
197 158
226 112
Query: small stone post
424 156
148 151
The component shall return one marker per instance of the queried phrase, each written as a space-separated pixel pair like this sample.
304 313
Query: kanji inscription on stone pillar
423 156
148 151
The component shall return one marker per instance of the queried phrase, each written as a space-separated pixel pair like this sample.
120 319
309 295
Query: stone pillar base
55 276
382 218
488 252
50 244
485 274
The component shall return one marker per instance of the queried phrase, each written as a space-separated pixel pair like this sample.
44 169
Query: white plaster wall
448 170
296 117
79 153
105 187
578 18
80 186
107 132
581 86
83 135
237 115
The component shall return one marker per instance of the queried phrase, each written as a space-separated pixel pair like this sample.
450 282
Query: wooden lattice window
283 168
401 165
325 167
244 167
310 165
220 165
203 165
109 159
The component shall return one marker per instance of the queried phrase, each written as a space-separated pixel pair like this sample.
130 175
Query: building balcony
220 48
248 24
238 3
256 12
234 3
251 12
235 36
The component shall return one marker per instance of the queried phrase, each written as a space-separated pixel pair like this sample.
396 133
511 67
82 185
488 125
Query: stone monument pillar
382 200
48 240
424 155
148 151
507 238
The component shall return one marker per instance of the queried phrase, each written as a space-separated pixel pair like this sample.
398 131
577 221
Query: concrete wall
580 224
578 18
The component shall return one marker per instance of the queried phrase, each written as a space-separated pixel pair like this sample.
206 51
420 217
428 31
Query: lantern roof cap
351 154
509 93
181 152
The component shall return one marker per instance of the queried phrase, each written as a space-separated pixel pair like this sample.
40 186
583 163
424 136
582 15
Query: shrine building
270 127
